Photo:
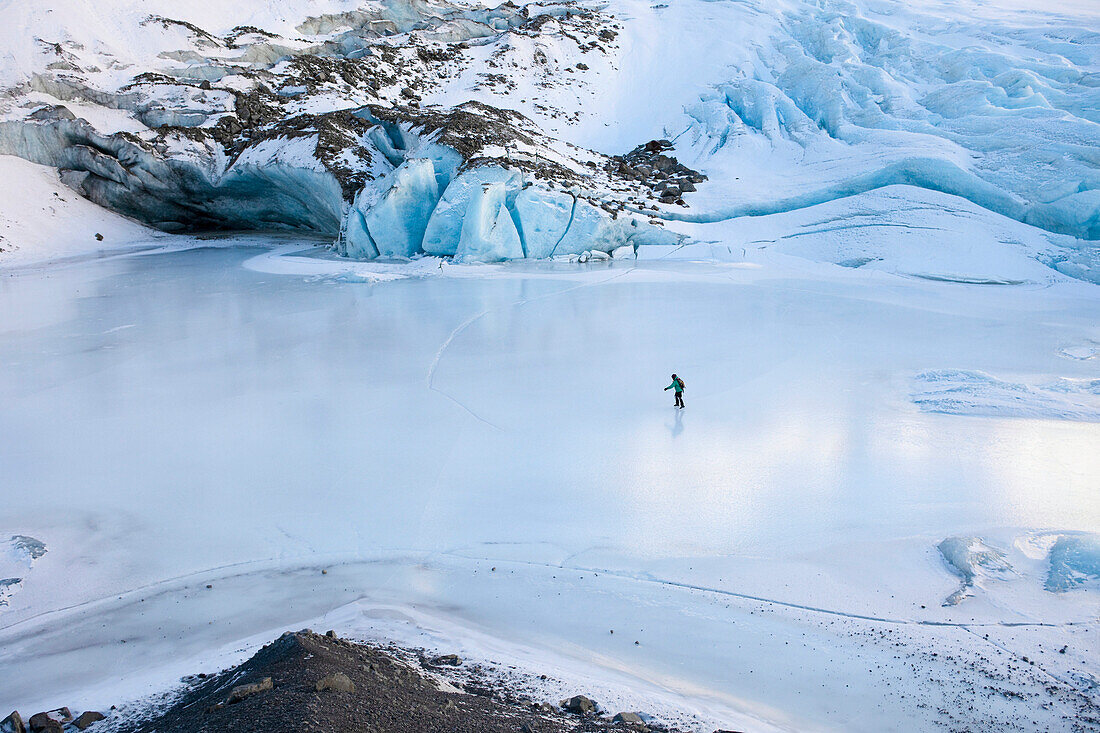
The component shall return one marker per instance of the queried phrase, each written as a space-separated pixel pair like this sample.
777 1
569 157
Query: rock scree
304 681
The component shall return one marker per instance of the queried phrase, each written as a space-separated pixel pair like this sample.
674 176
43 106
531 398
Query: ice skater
678 385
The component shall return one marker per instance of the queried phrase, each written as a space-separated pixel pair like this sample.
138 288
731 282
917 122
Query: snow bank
42 219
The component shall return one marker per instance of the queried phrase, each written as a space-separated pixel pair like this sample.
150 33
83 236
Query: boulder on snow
633 718
450 660
49 722
579 705
86 718
13 723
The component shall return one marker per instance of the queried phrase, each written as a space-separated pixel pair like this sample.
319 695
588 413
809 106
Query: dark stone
338 682
628 718
44 723
52 113
61 715
579 705
86 718
98 237
665 163
685 186
13 723
240 692
450 660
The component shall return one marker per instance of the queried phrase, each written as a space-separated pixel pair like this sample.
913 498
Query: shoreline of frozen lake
244 417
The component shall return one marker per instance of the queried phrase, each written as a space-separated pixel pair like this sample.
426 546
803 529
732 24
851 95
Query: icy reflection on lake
169 414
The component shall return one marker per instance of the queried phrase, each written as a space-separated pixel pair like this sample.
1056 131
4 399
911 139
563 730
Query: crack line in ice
568 224
435 363
646 578
470 321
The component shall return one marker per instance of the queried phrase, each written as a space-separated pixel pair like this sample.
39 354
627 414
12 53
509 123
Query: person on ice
678 385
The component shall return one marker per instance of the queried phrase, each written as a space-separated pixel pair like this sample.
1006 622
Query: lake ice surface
482 459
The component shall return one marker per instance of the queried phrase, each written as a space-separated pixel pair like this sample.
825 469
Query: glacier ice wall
444 230
488 232
410 194
397 222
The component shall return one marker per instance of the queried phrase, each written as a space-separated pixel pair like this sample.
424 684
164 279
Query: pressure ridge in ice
971 559
1074 561
17 557
970 392
1068 560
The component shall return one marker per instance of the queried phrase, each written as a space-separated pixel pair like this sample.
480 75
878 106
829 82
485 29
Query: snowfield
421 402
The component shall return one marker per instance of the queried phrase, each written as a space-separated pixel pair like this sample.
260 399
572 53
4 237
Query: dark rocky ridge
307 682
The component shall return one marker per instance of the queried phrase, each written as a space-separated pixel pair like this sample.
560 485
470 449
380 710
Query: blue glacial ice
543 218
1008 121
17 557
1074 560
488 232
397 222
444 229
971 559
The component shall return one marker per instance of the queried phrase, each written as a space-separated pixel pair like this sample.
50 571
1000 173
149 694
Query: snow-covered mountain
453 127
865 233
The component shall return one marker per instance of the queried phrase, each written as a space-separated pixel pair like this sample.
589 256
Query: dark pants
679 399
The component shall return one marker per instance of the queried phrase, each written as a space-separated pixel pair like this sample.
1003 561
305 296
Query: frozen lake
482 457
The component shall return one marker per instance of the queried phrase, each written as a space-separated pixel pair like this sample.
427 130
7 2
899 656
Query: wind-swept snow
961 392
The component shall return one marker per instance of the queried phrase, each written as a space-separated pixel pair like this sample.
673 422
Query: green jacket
677 385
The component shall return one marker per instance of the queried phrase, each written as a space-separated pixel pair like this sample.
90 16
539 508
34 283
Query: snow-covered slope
330 117
41 218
